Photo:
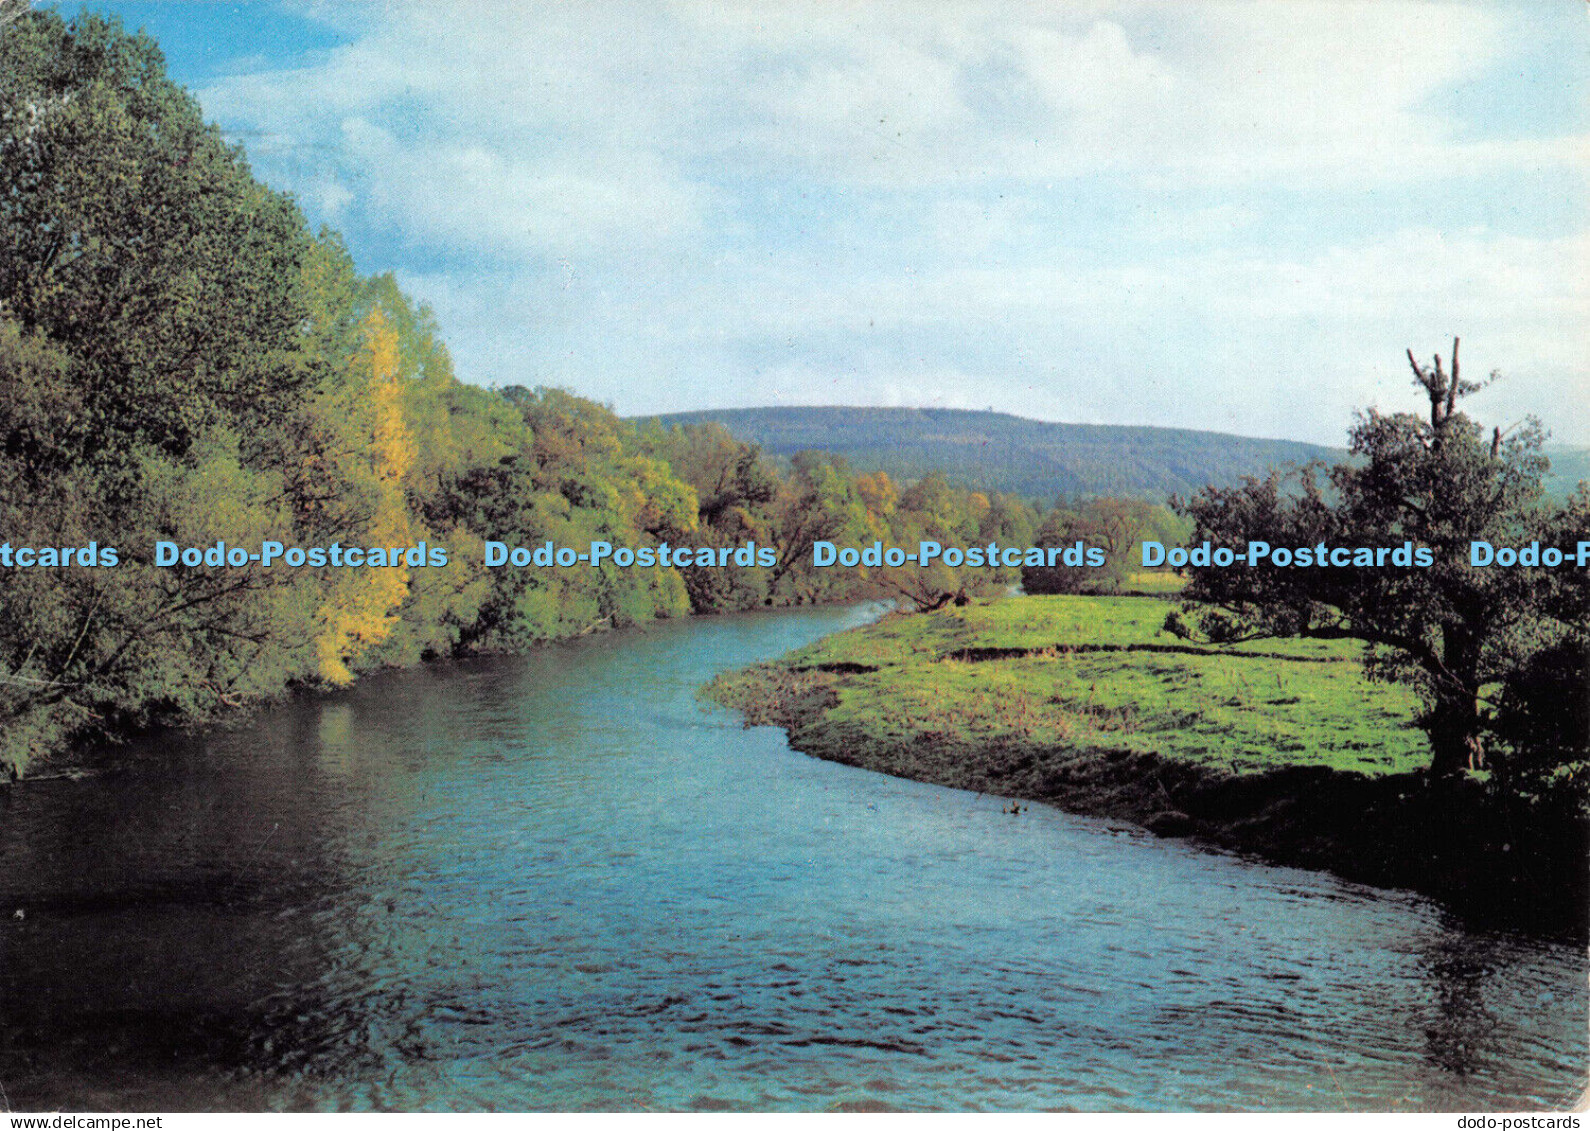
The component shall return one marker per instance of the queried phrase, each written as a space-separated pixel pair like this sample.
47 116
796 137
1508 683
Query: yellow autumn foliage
362 609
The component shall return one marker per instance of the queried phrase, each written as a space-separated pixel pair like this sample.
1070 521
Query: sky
1227 216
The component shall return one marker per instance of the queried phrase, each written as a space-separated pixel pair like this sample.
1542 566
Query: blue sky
1232 216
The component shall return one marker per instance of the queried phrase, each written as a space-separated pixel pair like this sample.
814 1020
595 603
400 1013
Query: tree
819 503
734 486
1457 632
1115 526
135 238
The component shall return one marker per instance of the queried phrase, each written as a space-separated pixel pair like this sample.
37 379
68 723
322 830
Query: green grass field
948 678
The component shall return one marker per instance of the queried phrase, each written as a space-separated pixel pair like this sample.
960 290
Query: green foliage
133 237
181 360
1118 526
735 490
1454 632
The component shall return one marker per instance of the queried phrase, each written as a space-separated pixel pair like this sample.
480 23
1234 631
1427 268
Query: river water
561 881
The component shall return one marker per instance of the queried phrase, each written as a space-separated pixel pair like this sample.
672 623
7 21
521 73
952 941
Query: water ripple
559 882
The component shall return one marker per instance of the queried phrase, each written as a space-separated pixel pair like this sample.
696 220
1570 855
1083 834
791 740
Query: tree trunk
1453 722
1451 725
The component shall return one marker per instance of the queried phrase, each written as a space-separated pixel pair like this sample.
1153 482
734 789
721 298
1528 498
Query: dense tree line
183 360
1117 526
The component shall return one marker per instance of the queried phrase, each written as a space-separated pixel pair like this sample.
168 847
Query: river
561 881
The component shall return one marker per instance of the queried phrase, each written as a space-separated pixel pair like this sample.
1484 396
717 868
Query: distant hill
1036 459
996 452
1568 467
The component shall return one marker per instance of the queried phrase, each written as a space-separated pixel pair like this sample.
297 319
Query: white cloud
1077 211
1282 347
505 110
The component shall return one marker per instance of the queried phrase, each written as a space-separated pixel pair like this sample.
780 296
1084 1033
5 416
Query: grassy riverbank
1281 748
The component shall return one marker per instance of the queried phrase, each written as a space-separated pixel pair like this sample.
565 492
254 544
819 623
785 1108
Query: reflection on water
559 881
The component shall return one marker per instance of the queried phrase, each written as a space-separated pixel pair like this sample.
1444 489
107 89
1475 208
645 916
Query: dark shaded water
560 882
